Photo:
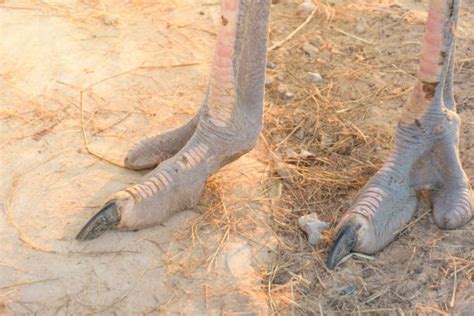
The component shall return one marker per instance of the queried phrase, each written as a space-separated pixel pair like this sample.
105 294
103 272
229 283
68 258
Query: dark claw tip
105 219
345 242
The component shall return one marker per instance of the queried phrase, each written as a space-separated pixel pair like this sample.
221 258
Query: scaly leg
153 150
425 154
227 126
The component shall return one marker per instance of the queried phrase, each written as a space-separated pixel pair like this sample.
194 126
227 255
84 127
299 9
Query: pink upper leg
432 57
222 86
432 61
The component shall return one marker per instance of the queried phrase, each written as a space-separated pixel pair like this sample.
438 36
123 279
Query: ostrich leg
226 127
153 150
425 153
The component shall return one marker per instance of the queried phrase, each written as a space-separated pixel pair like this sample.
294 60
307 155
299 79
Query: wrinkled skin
226 127
425 154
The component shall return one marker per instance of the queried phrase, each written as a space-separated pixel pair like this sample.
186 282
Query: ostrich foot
425 157
226 127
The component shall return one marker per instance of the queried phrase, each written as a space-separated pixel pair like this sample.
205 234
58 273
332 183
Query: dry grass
325 144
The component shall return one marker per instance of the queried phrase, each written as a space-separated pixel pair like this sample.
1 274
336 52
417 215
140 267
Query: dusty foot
226 127
424 157
425 154
176 184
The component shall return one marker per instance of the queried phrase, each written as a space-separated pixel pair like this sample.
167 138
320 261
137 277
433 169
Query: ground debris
311 50
110 19
346 290
314 77
313 227
306 8
366 53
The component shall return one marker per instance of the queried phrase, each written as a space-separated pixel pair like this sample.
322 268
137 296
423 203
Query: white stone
314 77
300 134
306 154
288 96
284 93
110 19
306 8
360 27
312 226
311 50
326 140
269 80
271 65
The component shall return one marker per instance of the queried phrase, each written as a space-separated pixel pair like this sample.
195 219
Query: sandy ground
332 136
120 56
142 68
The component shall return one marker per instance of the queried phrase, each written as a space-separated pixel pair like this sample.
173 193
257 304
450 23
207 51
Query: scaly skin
226 127
425 154
151 151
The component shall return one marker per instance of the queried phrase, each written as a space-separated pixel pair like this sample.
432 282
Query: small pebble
290 154
360 27
110 19
284 93
314 77
288 96
269 80
285 171
305 155
281 76
310 50
346 290
326 140
306 7
300 134
312 226
281 89
271 65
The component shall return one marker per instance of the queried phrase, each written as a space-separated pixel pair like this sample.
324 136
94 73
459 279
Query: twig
84 137
289 135
353 36
18 8
361 255
408 226
362 135
141 68
11 219
81 102
376 295
113 124
302 25
26 283
453 296
212 259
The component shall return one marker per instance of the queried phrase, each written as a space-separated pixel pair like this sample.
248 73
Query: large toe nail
105 219
345 242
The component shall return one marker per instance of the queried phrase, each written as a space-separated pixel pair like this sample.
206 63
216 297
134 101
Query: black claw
345 242
105 219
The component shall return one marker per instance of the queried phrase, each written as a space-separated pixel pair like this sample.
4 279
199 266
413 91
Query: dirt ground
333 135
81 80
140 69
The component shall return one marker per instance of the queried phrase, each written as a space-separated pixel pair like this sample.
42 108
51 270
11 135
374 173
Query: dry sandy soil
81 80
